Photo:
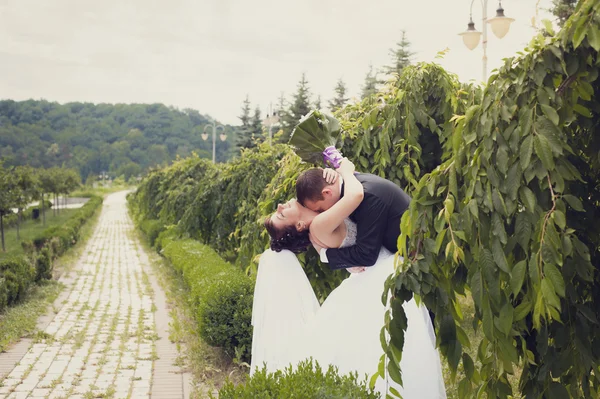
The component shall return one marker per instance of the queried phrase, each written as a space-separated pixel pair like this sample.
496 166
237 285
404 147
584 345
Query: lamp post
500 25
222 136
271 121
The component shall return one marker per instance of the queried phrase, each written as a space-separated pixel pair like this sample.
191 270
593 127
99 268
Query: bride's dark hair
287 238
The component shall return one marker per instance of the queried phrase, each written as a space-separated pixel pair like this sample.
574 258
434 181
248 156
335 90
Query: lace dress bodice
350 239
351 232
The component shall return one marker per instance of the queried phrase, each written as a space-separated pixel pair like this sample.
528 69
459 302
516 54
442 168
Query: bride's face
287 214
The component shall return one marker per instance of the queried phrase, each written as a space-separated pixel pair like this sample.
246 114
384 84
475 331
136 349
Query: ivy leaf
523 231
574 202
543 151
525 152
593 36
499 256
559 219
556 278
522 310
550 113
518 276
468 365
477 288
505 319
549 294
527 198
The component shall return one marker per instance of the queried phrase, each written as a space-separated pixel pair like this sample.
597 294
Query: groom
377 217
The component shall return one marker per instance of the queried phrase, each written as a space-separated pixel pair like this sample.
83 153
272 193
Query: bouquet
315 137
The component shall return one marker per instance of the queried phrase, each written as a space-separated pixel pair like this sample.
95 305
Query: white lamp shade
204 136
223 136
500 25
471 38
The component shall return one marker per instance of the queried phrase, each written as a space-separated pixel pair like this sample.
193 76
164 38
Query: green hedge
55 240
16 274
306 381
220 293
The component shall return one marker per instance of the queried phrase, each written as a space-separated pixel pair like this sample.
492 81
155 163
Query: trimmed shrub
226 315
16 274
152 228
220 292
306 381
44 265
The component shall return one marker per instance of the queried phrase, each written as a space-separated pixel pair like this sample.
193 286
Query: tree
256 126
25 186
340 98
370 86
7 200
563 9
317 104
245 132
401 56
299 107
46 187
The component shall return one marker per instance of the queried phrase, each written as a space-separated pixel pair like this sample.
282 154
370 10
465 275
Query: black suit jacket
378 221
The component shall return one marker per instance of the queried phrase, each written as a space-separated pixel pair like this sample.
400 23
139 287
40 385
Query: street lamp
271 121
500 25
222 136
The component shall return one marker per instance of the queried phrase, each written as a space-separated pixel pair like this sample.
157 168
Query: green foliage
220 292
308 380
95 138
226 313
563 9
510 219
152 228
16 275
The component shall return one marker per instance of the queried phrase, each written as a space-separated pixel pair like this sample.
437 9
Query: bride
290 326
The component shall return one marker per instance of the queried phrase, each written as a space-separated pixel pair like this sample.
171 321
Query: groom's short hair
310 185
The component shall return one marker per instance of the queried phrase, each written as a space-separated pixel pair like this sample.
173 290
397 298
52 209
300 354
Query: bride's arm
326 222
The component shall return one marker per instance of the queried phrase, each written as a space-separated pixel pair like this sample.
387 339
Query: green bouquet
315 137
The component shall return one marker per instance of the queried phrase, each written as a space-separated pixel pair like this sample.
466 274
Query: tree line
20 185
120 140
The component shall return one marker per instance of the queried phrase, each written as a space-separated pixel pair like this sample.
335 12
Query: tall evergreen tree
370 86
256 126
299 107
401 56
340 98
244 136
317 104
563 9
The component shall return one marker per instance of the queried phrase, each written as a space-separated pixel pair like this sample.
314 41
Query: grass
20 320
30 229
209 366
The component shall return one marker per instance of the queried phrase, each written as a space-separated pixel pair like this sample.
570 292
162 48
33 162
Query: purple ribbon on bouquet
332 155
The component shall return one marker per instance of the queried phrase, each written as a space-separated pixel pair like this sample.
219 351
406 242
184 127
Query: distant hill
121 139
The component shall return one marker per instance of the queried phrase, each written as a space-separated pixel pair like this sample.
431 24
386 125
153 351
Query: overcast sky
208 54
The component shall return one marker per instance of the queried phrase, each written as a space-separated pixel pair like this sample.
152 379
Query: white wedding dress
289 326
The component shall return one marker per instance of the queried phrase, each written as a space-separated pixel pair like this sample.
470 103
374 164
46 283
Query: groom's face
330 196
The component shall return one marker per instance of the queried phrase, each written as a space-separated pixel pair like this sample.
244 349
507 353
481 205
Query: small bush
308 380
16 274
226 315
44 264
220 292
152 228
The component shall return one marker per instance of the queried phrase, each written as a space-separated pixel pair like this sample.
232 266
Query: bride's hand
330 175
356 269
346 167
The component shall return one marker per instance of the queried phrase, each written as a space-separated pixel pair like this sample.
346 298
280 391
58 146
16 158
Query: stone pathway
109 337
